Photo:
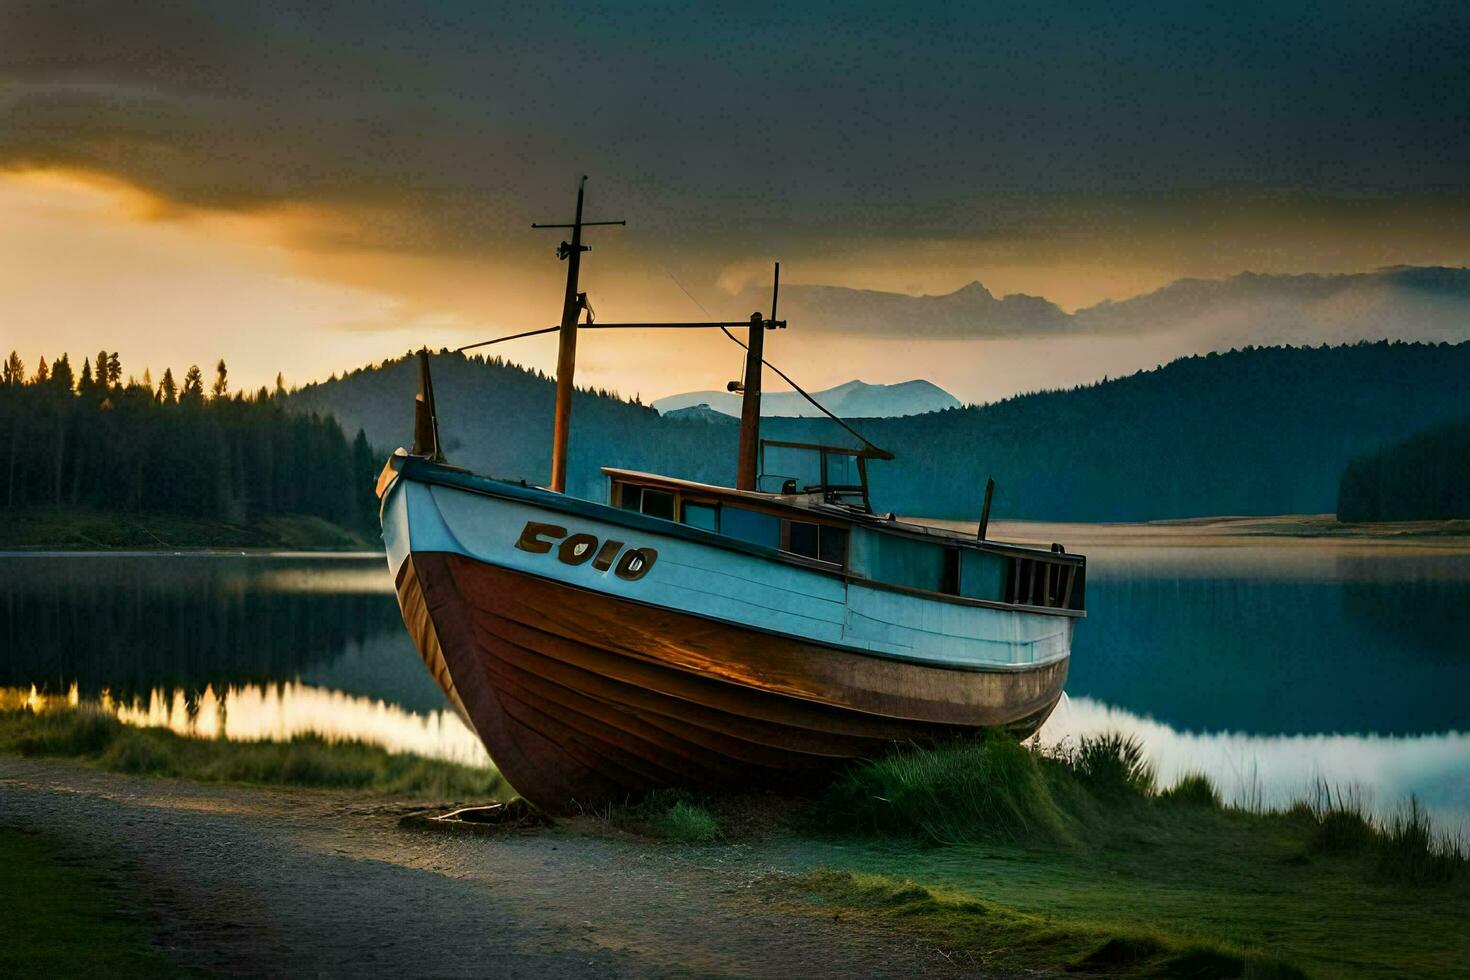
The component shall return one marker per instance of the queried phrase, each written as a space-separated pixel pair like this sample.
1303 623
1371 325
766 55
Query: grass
1070 859
667 814
85 529
63 919
94 737
989 788
1193 789
1005 938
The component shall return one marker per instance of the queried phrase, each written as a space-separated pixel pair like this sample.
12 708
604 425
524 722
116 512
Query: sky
303 188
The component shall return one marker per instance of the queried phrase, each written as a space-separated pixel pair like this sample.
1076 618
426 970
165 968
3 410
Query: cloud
1057 151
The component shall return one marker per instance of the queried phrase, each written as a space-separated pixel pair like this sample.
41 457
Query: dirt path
245 880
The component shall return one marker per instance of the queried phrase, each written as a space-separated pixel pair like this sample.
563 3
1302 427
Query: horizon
131 377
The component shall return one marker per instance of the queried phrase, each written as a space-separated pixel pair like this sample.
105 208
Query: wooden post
425 418
748 463
985 510
566 352
750 407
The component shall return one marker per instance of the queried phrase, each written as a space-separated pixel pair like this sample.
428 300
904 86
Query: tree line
1261 430
91 439
1423 477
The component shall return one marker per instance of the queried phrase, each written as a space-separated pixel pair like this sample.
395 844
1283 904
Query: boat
678 634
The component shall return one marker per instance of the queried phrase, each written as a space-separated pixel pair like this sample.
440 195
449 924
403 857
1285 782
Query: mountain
1404 302
855 399
699 413
1254 431
1425 303
968 311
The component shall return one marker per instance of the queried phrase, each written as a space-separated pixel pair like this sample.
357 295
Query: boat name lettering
581 547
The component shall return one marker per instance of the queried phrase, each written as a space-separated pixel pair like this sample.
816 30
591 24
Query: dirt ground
255 881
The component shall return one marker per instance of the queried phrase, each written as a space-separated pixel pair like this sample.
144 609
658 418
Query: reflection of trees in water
1267 656
1425 613
132 623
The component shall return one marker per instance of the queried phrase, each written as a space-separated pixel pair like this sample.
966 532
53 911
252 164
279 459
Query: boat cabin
819 515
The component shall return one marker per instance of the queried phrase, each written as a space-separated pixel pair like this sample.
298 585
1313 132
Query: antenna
566 353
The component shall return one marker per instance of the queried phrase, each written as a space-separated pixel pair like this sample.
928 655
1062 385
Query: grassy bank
1078 861
83 529
90 736
63 919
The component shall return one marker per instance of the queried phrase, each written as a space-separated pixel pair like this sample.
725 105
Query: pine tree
86 383
280 384
61 374
221 384
193 392
114 369
14 373
168 389
43 373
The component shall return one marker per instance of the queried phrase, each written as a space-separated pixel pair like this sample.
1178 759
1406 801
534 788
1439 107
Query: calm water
1266 665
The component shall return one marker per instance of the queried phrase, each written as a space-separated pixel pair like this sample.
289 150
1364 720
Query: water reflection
131 623
1264 663
277 712
1275 771
1279 639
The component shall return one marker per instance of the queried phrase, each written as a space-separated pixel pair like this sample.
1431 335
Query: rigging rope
882 453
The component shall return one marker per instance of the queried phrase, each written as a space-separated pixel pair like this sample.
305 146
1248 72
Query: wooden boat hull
591 679
582 698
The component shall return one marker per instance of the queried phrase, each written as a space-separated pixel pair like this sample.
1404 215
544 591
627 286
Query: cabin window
898 560
658 503
703 516
630 497
983 574
819 541
949 582
751 525
801 538
646 500
832 545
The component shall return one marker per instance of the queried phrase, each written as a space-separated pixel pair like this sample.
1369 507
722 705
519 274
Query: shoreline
1231 531
1212 531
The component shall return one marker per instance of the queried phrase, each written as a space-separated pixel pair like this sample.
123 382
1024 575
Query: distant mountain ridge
971 309
1251 432
1429 303
853 400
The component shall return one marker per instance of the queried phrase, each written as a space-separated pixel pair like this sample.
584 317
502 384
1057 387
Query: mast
748 462
566 353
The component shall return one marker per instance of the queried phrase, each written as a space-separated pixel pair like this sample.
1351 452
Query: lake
1266 663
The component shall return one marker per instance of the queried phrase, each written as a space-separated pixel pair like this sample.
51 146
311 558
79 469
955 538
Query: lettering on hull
580 547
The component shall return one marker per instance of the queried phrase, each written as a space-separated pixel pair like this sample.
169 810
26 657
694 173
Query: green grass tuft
1410 852
1193 789
989 787
670 814
690 823
92 736
1112 763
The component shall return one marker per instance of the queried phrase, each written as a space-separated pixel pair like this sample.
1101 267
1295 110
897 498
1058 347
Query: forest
89 439
1424 477
1256 431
